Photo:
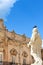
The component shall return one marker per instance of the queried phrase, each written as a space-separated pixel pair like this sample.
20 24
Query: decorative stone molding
13 34
24 54
13 52
24 37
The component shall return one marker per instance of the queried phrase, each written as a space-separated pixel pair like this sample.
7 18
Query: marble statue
36 43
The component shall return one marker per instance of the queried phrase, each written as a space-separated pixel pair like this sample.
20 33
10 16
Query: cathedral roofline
13 35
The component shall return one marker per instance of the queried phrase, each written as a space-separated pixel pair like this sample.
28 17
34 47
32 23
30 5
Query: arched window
0 57
24 61
13 53
25 55
13 59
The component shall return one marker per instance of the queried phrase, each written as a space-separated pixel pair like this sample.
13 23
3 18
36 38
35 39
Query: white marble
36 43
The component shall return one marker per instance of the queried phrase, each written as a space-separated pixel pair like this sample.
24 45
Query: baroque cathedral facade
14 49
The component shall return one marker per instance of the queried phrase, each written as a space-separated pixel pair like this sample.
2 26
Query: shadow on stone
10 63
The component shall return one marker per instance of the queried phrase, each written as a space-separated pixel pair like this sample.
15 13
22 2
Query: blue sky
23 15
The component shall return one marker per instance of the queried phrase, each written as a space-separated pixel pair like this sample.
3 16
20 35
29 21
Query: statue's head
35 26
35 29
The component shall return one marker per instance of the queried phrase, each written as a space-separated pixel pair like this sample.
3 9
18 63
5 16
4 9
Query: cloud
5 7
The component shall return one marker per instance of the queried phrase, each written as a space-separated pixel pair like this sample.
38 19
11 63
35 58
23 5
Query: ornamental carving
23 37
13 52
2 36
24 54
